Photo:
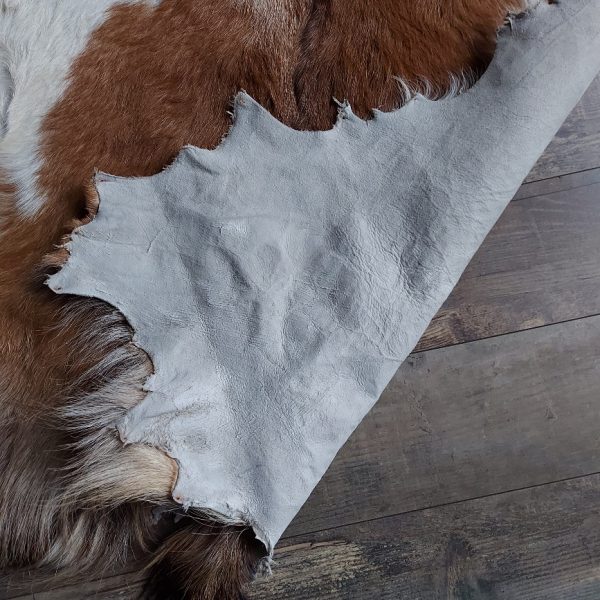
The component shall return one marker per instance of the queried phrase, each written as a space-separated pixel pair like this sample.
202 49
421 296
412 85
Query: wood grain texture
125 582
539 543
576 147
459 423
539 265
122 586
521 276
564 183
467 421
542 543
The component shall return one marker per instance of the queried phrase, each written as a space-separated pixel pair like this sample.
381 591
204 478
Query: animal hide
35 59
121 86
278 281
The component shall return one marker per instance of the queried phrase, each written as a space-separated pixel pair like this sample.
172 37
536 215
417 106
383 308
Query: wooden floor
477 475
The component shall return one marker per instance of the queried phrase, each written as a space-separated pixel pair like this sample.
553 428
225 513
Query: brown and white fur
121 86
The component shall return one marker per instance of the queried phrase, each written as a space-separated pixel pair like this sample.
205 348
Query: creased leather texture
278 281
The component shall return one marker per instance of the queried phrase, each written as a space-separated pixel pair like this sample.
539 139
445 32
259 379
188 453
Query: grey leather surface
278 281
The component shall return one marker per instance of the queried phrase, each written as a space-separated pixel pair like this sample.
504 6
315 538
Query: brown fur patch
149 82
204 561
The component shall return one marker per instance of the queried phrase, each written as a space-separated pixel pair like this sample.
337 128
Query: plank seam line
560 176
388 516
561 191
444 504
499 335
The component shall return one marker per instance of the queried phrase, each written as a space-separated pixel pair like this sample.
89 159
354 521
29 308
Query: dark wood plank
562 183
577 145
539 265
534 544
125 586
468 421
118 583
491 298
465 422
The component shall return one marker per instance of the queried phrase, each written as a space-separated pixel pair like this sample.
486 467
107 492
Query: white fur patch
39 40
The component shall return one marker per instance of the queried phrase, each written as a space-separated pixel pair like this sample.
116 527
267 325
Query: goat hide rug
278 281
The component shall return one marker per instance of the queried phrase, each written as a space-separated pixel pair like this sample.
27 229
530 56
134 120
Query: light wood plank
539 265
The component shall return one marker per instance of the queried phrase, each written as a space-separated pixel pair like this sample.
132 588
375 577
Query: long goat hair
147 78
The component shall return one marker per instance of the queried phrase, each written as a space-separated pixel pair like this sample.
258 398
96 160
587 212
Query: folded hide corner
278 281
